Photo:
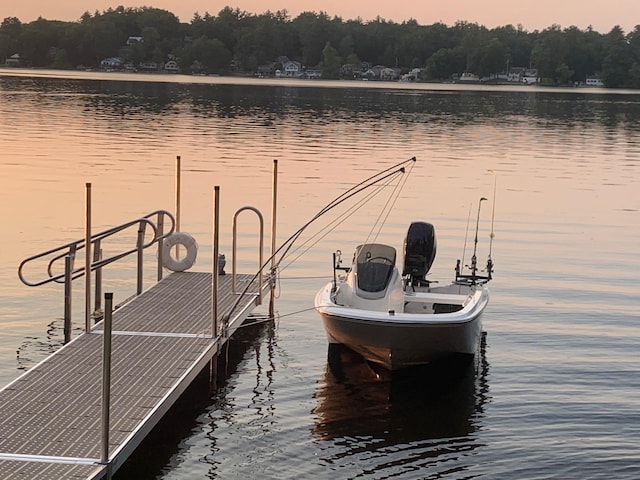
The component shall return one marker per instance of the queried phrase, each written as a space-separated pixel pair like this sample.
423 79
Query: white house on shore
594 81
13 60
112 63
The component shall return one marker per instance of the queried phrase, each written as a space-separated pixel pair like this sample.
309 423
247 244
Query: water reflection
33 348
167 447
449 104
405 420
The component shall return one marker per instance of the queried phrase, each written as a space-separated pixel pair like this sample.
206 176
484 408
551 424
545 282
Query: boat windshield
374 267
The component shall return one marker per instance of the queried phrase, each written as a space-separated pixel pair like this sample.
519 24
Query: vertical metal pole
87 266
214 281
68 270
97 256
160 233
140 247
274 204
213 364
106 376
178 181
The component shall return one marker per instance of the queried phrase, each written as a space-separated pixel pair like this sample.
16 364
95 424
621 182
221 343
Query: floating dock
50 417
81 412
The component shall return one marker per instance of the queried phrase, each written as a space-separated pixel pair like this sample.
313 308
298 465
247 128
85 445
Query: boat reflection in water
385 423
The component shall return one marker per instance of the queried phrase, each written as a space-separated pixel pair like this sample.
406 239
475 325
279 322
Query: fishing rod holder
474 278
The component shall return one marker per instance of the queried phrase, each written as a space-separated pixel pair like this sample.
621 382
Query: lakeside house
13 61
112 63
594 81
171 67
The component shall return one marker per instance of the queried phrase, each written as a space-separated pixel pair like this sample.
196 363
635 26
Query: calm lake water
555 391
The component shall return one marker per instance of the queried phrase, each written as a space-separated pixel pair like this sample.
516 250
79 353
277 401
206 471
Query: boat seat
374 268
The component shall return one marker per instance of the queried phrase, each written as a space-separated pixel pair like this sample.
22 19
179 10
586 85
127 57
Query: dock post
106 377
97 256
140 247
213 366
159 234
178 182
87 257
68 277
274 204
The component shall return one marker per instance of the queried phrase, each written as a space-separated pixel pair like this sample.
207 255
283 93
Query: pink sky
532 15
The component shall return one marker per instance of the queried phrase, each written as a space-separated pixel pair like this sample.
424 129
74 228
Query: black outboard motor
419 252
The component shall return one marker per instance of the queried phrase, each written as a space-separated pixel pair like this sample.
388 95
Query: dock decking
50 417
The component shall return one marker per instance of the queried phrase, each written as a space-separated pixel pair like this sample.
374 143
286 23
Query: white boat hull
399 339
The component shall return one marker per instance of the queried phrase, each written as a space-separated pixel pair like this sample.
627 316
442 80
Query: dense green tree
314 31
210 53
584 53
488 58
618 60
331 62
265 40
102 39
37 42
226 25
549 54
237 41
518 44
633 39
446 63
61 59
346 46
165 23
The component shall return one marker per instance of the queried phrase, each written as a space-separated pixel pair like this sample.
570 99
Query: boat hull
398 340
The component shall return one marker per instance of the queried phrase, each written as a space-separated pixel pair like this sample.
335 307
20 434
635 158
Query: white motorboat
403 320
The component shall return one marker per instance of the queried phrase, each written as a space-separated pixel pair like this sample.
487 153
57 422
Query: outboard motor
419 251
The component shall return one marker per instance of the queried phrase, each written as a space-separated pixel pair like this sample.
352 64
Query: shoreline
180 78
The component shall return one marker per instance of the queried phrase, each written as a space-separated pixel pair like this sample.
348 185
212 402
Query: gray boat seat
374 265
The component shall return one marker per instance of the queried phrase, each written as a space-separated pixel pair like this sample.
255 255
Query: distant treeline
234 41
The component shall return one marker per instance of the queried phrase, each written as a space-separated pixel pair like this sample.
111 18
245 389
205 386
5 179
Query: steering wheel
384 260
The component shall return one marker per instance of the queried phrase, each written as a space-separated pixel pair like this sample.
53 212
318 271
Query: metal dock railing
50 417
81 412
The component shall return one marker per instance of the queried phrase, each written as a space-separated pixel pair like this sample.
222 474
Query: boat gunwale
324 306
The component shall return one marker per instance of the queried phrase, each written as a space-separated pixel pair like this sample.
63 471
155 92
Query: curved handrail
72 247
233 256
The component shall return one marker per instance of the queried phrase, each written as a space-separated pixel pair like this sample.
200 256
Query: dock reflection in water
394 423
168 445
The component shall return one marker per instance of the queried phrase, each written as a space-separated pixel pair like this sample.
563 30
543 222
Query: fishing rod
474 267
493 211
397 169
473 278
337 222
466 234
492 234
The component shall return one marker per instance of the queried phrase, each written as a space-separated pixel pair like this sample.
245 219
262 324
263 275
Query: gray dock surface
50 417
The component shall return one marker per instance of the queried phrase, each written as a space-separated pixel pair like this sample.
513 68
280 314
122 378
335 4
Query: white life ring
188 242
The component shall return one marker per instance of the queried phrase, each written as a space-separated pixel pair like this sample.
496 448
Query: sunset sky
532 15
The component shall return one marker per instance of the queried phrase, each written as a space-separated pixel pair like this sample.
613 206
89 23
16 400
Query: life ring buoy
188 242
